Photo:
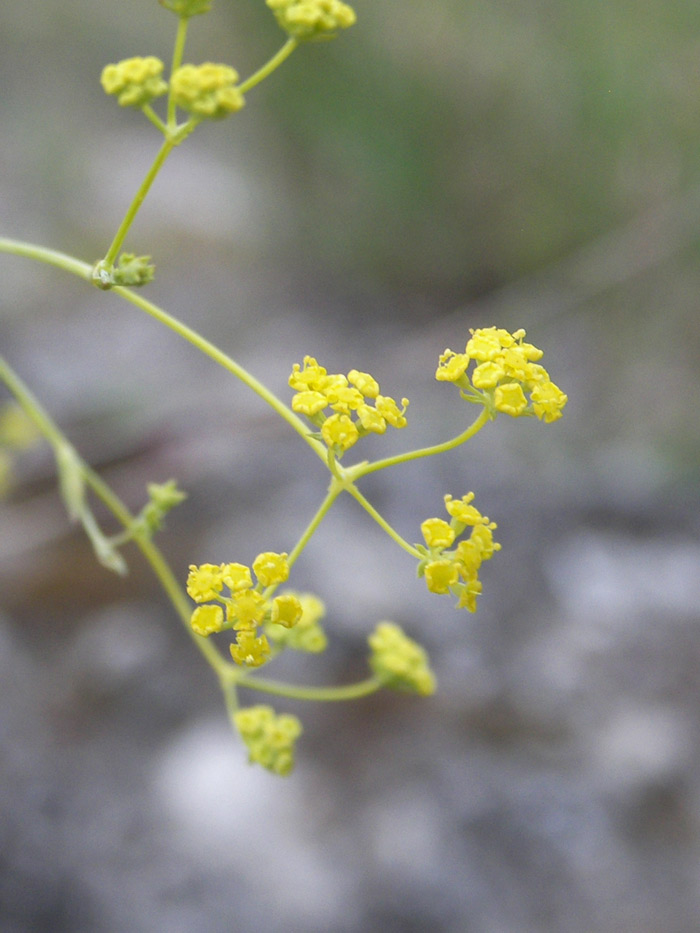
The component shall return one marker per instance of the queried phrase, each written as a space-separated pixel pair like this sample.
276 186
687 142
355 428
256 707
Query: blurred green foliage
451 146
461 144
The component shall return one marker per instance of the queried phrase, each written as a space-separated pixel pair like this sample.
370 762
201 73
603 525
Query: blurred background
444 164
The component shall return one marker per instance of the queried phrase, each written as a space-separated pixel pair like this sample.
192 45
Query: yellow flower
246 610
269 738
487 375
399 662
468 595
510 399
207 619
487 342
316 389
515 365
437 533
463 511
271 568
309 403
135 81
344 398
456 571
307 634
482 536
236 577
250 649
206 90
204 582
469 557
371 420
367 384
286 610
310 377
506 369
452 366
339 431
308 19
390 411
548 401
440 575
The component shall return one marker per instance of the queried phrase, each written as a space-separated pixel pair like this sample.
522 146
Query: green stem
151 552
370 509
229 364
138 200
84 271
228 687
319 694
178 52
270 66
149 112
332 495
362 469
51 257
229 675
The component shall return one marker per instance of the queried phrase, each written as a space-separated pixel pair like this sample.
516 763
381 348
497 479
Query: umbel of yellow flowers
505 372
268 737
134 81
245 609
456 571
497 370
345 408
312 19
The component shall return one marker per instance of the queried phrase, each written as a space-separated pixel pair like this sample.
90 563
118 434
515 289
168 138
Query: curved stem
370 509
51 257
270 66
362 469
214 353
318 694
229 674
150 551
84 271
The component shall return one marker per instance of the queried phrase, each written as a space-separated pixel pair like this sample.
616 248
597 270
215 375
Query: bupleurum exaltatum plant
237 614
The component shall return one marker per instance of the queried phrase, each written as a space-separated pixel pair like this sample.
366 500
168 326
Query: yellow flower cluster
135 81
506 371
308 19
307 634
246 608
457 571
399 662
187 8
207 90
354 400
269 738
